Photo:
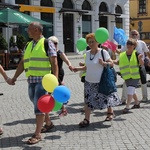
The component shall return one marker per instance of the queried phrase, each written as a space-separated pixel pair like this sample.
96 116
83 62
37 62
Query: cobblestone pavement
126 132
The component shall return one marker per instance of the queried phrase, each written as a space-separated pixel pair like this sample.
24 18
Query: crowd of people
131 56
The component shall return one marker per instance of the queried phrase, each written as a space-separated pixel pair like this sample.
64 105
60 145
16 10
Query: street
125 132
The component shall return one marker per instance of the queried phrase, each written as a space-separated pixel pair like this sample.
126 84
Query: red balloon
46 103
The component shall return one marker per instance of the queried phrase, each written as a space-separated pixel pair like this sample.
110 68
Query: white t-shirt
94 68
141 48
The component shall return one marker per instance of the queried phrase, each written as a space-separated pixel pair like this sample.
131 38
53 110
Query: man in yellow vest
36 64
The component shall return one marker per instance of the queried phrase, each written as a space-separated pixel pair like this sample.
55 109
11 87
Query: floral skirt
96 100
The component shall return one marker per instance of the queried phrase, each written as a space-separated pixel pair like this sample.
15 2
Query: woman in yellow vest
129 62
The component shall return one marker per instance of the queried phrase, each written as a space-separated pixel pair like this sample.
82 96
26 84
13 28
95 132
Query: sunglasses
134 34
55 43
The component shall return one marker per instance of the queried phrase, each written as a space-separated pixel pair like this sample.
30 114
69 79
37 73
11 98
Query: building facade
72 19
140 18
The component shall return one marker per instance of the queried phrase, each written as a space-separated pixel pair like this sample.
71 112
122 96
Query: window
67 4
103 20
26 2
48 17
47 3
86 5
119 20
142 6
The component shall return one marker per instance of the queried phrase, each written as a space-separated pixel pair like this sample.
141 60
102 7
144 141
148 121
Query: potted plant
3 44
21 41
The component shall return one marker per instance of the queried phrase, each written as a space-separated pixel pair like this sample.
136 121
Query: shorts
35 91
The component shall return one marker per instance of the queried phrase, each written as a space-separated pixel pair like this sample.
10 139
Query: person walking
61 57
140 48
8 80
94 66
36 64
129 62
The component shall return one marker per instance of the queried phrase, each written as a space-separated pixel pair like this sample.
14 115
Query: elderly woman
61 57
129 62
94 65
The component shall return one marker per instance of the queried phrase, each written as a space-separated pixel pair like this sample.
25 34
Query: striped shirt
51 52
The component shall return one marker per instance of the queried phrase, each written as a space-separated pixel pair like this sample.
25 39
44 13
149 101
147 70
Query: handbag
107 82
142 71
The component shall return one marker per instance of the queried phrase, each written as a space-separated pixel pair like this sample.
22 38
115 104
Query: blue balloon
61 94
119 36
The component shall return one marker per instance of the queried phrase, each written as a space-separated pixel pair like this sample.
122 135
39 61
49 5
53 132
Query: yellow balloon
49 82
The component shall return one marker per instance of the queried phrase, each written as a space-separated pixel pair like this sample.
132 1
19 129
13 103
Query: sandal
135 106
63 113
110 116
125 110
34 139
84 123
1 131
47 128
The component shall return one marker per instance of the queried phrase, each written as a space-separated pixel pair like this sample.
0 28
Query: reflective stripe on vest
129 69
36 62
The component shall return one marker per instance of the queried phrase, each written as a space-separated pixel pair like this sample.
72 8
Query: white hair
54 39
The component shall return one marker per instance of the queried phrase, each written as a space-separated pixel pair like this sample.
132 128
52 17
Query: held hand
10 81
75 69
140 56
81 64
71 68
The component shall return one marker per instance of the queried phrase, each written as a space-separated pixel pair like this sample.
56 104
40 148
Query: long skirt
96 100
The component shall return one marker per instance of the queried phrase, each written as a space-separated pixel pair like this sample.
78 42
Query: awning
108 14
69 10
7 5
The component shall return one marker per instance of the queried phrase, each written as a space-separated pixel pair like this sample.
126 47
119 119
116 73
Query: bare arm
19 70
105 63
66 60
54 65
141 62
116 62
83 68
148 54
3 73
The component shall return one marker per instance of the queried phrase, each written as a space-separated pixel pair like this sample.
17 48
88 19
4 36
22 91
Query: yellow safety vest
36 62
129 69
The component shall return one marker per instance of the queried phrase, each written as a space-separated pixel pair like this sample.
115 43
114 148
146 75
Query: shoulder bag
107 82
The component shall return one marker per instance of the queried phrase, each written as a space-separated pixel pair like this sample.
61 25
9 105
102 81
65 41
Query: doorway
68 35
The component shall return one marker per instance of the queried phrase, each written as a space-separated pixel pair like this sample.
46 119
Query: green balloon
57 106
81 44
101 35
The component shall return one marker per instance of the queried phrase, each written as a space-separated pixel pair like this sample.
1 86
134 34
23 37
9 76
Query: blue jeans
35 91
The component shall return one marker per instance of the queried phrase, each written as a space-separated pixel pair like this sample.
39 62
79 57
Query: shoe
63 113
47 128
123 103
84 123
110 116
1 131
34 139
144 99
135 106
125 110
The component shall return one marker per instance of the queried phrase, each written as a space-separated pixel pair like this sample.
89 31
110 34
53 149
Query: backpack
45 46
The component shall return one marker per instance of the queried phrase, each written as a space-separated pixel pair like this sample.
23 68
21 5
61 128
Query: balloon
57 106
49 82
101 35
61 94
119 36
46 103
81 44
